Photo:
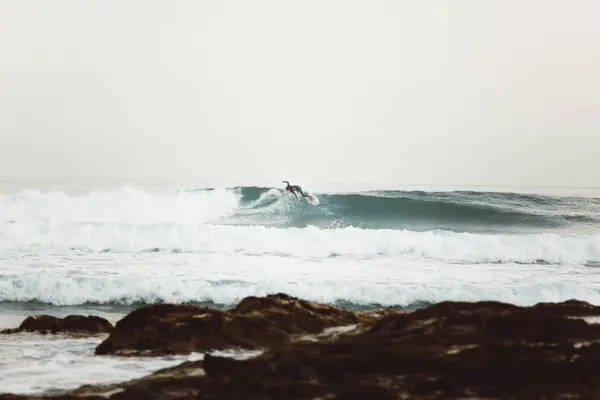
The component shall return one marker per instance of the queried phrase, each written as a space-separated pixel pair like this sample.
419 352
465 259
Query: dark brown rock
485 350
63 397
451 350
70 324
253 324
445 351
574 308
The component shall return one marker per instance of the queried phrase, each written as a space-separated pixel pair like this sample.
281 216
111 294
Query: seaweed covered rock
450 350
70 324
255 323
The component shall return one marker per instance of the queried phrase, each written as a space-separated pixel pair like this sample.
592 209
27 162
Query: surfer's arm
302 192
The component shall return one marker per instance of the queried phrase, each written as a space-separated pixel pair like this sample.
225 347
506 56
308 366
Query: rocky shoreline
484 350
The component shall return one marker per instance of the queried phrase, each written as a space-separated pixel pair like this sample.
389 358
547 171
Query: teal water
107 250
420 210
126 246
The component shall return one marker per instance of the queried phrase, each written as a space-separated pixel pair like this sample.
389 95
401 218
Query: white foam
227 279
124 206
129 220
94 248
306 242
32 364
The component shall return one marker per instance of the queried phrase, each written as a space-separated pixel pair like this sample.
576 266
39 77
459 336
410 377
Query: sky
445 92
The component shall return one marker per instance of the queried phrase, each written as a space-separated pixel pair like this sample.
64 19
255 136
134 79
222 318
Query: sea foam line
58 289
71 238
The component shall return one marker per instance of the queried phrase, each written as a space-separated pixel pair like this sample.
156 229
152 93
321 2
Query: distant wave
81 238
458 227
129 246
125 290
418 210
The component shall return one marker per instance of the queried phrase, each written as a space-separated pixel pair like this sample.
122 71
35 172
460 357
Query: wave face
454 211
418 210
219 245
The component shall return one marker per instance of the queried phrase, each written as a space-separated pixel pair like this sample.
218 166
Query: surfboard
312 199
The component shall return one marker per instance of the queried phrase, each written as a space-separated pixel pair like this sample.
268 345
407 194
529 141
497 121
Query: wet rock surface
255 323
71 324
483 350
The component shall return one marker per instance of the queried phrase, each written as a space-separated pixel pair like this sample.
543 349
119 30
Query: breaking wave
219 245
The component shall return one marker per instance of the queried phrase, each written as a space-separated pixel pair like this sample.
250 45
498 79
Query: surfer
295 189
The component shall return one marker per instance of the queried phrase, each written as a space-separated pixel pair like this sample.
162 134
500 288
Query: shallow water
36 364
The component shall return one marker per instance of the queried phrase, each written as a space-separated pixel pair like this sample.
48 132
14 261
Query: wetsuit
294 189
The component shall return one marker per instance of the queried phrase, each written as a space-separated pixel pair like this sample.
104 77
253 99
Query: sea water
105 251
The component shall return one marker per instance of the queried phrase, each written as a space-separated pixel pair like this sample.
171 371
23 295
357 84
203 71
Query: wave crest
454 211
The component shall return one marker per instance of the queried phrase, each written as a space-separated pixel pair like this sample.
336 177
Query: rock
255 323
70 324
450 350
574 308
65 397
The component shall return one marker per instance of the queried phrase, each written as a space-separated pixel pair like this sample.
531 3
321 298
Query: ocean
107 250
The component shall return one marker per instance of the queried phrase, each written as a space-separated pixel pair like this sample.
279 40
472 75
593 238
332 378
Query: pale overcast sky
499 92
